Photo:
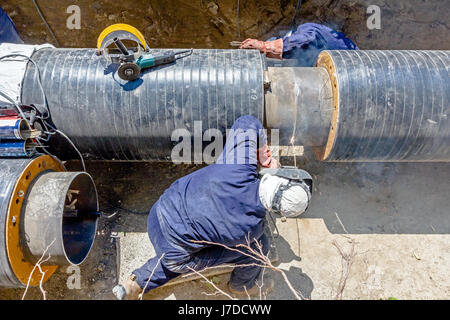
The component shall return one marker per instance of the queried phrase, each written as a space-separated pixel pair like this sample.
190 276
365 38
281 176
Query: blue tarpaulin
8 31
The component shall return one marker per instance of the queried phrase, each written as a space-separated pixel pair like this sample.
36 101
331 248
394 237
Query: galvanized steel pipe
33 218
365 105
109 118
383 105
388 105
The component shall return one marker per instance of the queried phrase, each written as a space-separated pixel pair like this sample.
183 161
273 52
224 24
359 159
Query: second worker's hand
252 44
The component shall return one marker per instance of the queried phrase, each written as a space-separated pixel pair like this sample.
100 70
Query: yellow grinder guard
123 32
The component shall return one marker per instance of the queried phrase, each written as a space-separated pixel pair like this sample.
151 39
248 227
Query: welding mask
286 190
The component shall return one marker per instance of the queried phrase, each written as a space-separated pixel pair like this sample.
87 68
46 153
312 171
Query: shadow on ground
386 198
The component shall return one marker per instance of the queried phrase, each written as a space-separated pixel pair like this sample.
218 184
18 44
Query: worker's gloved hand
272 49
252 44
265 158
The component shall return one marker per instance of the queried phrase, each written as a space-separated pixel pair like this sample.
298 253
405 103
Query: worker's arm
247 144
308 34
272 49
276 48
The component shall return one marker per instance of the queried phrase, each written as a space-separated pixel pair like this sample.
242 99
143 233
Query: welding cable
189 52
19 109
16 106
105 215
38 73
45 123
46 23
126 210
237 19
297 8
72 144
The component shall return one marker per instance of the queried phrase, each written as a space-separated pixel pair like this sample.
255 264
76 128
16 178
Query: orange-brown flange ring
19 265
324 60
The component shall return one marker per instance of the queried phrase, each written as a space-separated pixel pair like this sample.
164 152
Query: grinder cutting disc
129 71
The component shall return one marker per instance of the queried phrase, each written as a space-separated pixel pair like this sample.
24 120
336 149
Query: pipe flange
19 264
325 61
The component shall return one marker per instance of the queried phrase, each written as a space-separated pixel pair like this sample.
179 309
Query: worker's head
294 199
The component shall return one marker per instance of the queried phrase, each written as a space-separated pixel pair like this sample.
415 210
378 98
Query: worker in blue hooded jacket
224 203
303 45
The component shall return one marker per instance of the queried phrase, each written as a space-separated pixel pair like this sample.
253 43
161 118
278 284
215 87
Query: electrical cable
126 210
45 22
189 52
237 20
43 120
38 73
297 8
70 141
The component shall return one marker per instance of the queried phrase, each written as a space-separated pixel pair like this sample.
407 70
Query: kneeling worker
223 203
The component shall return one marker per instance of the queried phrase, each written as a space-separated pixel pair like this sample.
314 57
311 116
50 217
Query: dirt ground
405 24
399 206
213 24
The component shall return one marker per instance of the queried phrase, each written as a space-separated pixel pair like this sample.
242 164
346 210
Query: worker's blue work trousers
211 256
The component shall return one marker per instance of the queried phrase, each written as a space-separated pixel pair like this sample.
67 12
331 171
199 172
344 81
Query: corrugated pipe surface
9 173
389 105
109 118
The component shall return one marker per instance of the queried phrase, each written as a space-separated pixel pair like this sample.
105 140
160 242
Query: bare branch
141 295
211 283
340 222
226 247
246 292
38 265
346 262
258 256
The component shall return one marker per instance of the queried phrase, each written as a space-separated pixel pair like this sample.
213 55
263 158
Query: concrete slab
397 215
407 266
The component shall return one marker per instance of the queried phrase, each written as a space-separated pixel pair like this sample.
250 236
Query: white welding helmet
286 190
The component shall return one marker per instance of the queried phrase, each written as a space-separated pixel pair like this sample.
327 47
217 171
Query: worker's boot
255 291
130 290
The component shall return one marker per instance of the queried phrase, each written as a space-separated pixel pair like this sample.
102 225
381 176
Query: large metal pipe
371 105
383 105
61 207
299 103
109 118
388 105
33 207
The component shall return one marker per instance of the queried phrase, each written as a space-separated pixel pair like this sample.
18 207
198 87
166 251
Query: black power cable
44 120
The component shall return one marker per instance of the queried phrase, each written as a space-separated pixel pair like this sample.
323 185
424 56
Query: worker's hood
294 200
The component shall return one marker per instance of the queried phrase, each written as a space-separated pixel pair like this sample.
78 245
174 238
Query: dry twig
257 255
211 283
346 262
38 265
141 295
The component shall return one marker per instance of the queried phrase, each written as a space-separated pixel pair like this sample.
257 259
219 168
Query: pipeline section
112 119
354 105
372 105
44 210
